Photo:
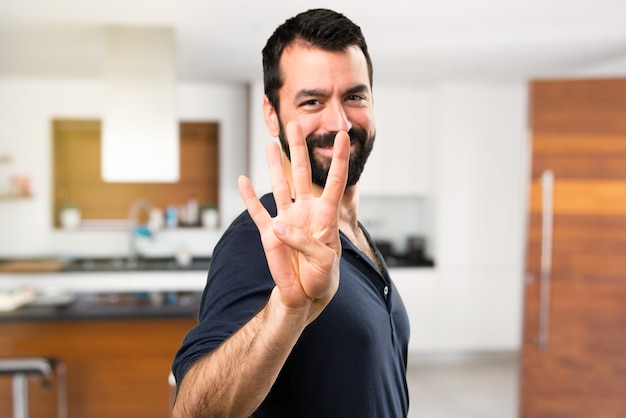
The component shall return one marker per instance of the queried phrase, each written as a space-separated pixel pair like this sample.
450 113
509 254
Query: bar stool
45 368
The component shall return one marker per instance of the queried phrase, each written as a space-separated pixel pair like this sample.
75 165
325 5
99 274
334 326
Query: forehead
306 67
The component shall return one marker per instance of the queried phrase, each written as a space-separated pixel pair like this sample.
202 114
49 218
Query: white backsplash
395 219
387 219
199 242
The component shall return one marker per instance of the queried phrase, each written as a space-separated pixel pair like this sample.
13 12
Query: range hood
140 123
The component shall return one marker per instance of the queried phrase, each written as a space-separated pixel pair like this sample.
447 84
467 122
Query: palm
299 275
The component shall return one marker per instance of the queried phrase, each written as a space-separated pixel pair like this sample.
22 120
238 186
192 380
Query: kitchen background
449 169
450 163
457 181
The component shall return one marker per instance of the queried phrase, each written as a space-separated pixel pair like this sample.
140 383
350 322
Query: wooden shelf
9 197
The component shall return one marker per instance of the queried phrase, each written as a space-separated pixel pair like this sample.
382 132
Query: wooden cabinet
115 368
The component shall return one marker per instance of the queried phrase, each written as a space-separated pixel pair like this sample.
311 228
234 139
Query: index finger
338 172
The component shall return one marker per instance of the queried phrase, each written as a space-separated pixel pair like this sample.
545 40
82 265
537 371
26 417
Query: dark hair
320 28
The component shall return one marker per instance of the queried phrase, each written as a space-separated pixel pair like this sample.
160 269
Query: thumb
300 241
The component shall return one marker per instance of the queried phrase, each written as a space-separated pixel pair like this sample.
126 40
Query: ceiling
419 41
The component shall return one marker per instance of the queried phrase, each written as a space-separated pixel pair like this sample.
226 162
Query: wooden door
574 343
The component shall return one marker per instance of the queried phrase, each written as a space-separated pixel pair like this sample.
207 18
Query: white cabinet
471 301
417 288
479 190
462 311
399 163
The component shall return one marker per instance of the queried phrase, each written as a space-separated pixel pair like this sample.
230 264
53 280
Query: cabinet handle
547 196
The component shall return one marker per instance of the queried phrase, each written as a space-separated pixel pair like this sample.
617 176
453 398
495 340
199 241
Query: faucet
133 218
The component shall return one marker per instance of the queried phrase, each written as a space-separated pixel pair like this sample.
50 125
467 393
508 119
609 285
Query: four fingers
322 256
301 175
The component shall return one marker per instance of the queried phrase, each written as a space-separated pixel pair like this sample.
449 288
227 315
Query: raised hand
302 243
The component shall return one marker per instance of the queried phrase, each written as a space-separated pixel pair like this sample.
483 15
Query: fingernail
281 228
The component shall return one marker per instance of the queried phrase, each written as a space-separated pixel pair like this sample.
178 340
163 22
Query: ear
271 118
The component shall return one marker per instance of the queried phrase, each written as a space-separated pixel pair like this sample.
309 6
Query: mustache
326 140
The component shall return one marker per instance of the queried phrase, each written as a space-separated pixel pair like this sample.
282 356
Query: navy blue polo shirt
349 362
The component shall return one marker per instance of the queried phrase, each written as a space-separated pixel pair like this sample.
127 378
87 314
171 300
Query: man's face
327 92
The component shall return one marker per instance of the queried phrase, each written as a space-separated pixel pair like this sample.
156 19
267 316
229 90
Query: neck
349 208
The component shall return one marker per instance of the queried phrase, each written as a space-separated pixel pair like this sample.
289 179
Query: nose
335 117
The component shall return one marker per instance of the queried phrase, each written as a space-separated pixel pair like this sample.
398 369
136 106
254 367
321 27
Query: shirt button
386 290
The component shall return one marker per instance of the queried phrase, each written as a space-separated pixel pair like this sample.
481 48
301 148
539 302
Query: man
299 317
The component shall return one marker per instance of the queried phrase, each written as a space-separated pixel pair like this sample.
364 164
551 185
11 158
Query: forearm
233 380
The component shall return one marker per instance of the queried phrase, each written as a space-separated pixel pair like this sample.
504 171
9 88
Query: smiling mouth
327 150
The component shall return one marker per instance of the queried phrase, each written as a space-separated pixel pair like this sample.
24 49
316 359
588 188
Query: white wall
27 107
259 137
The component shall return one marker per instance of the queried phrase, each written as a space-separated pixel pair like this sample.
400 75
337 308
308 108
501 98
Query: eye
310 102
356 100
355 97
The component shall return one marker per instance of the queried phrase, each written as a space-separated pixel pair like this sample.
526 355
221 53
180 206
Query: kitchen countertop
109 275
88 306
89 282
97 288
105 281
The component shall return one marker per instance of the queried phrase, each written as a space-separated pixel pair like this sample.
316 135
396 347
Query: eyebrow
359 88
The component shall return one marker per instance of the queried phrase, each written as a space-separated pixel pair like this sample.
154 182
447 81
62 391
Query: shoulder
242 237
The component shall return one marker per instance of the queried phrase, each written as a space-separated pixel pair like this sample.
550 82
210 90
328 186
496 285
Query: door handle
547 214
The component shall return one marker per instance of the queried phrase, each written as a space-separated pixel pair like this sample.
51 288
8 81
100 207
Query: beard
320 165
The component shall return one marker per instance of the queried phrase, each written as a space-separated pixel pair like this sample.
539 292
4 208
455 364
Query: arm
303 251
